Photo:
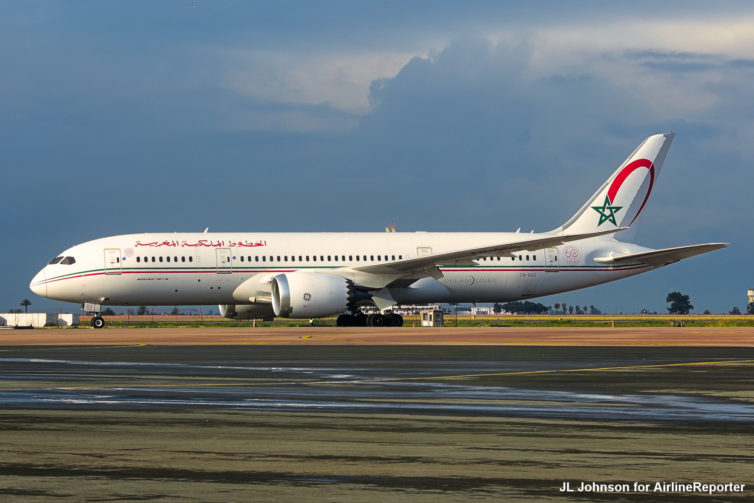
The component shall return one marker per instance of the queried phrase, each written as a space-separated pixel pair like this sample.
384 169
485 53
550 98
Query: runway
141 420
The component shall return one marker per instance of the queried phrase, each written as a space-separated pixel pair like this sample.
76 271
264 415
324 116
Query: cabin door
112 261
551 260
222 257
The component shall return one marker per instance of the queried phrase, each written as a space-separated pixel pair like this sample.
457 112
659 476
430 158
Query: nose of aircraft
38 284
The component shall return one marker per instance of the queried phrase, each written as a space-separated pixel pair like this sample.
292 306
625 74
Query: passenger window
56 260
328 258
357 258
256 258
241 258
321 258
336 258
285 258
307 258
371 257
138 259
191 259
400 257
278 258
183 259
534 257
527 257
299 258
392 257
264 258
350 258
160 259
154 259
168 259
293 258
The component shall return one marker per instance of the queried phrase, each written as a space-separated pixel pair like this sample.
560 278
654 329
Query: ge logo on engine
307 297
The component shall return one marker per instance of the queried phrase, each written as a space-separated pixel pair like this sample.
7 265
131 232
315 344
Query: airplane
312 275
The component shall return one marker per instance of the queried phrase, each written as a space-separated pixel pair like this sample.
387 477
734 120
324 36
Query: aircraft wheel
98 322
375 320
360 320
394 320
345 320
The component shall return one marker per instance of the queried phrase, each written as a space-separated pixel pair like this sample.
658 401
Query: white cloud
599 49
338 80
732 38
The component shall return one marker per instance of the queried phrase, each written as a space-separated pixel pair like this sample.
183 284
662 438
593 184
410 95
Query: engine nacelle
247 311
310 294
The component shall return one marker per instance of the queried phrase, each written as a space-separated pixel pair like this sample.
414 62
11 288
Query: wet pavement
435 424
617 384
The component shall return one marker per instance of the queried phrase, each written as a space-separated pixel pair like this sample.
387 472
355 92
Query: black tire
375 320
98 322
394 320
344 320
360 320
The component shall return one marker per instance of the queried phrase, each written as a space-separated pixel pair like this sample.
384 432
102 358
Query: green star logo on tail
607 212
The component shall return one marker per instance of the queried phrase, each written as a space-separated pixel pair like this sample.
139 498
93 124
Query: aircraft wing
427 265
659 258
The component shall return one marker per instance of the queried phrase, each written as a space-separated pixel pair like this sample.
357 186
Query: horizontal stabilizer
659 258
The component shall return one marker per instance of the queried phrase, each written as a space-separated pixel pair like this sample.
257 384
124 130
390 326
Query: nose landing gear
97 320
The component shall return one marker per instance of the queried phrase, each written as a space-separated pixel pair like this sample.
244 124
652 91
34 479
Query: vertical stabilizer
619 201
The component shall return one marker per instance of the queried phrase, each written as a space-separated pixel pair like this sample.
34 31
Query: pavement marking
555 371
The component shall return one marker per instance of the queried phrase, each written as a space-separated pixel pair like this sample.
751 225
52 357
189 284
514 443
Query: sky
141 116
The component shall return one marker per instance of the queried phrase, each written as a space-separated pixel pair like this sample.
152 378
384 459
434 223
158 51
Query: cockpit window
56 260
68 261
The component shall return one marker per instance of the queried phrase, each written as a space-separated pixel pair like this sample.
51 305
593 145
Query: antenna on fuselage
206 229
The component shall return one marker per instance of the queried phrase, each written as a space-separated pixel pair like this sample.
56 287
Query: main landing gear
360 319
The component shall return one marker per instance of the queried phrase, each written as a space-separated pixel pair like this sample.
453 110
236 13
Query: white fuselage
207 268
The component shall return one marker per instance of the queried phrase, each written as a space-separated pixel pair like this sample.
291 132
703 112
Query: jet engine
310 294
247 311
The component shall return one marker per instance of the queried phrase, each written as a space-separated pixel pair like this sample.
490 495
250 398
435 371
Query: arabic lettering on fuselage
203 243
